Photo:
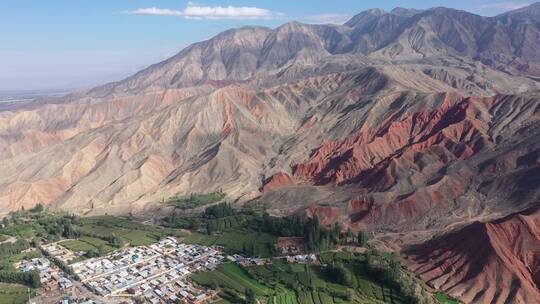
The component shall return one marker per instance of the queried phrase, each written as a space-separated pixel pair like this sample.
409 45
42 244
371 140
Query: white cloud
154 11
195 11
503 5
329 18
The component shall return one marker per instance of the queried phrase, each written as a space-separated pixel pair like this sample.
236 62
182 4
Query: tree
101 249
361 238
37 208
139 300
194 225
210 227
339 274
349 234
34 279
67 230
115 241
92 253
251 298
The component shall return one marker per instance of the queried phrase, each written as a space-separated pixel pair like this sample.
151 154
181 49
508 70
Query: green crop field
90 234
140 237
233 277
87 244
259 244
24 256
284 283
195 200
202 239
445 299
14 294
127 230
77 245
230 222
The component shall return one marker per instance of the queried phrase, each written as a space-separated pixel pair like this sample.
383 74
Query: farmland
87 244
195 200
14 294
233 277
96 235
237 241
337 277
445 299
283 283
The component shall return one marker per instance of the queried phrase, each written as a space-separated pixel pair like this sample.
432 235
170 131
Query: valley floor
117 259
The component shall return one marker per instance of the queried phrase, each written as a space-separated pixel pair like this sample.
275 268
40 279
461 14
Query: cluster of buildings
302 259
158 272
52 278
74 300
291 245
246 262
63 254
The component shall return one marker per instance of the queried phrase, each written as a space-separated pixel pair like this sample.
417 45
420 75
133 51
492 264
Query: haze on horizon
62 44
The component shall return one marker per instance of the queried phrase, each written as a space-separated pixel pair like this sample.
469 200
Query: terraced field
283 283
233 277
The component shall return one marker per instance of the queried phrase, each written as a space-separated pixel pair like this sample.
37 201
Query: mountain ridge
406 124
316 42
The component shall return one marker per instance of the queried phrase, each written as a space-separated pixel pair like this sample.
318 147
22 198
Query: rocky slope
406 123
492 262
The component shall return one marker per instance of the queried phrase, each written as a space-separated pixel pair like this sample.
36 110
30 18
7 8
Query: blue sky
80 43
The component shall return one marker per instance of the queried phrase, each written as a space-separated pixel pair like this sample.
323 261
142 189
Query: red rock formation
493 262
454 127
278 180
327 216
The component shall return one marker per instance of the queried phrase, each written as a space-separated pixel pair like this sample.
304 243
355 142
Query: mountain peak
291 26
405 12
530 11
365 17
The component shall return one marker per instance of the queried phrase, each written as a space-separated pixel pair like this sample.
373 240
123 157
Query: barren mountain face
410 124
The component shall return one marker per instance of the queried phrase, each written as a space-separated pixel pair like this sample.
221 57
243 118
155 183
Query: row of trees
390 273
317 237
56 261
8 249
15 217
30 278
337 273
219 211
8 273
212 212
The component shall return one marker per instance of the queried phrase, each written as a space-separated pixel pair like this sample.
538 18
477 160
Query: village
159 273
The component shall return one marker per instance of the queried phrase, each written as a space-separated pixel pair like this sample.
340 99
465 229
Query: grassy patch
87 244
195 200
202 239
77 245
306 284
445 299
24 256
140 237
14 294
252 243
233 277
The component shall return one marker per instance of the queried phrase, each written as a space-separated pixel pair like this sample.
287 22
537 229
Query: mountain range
420 126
